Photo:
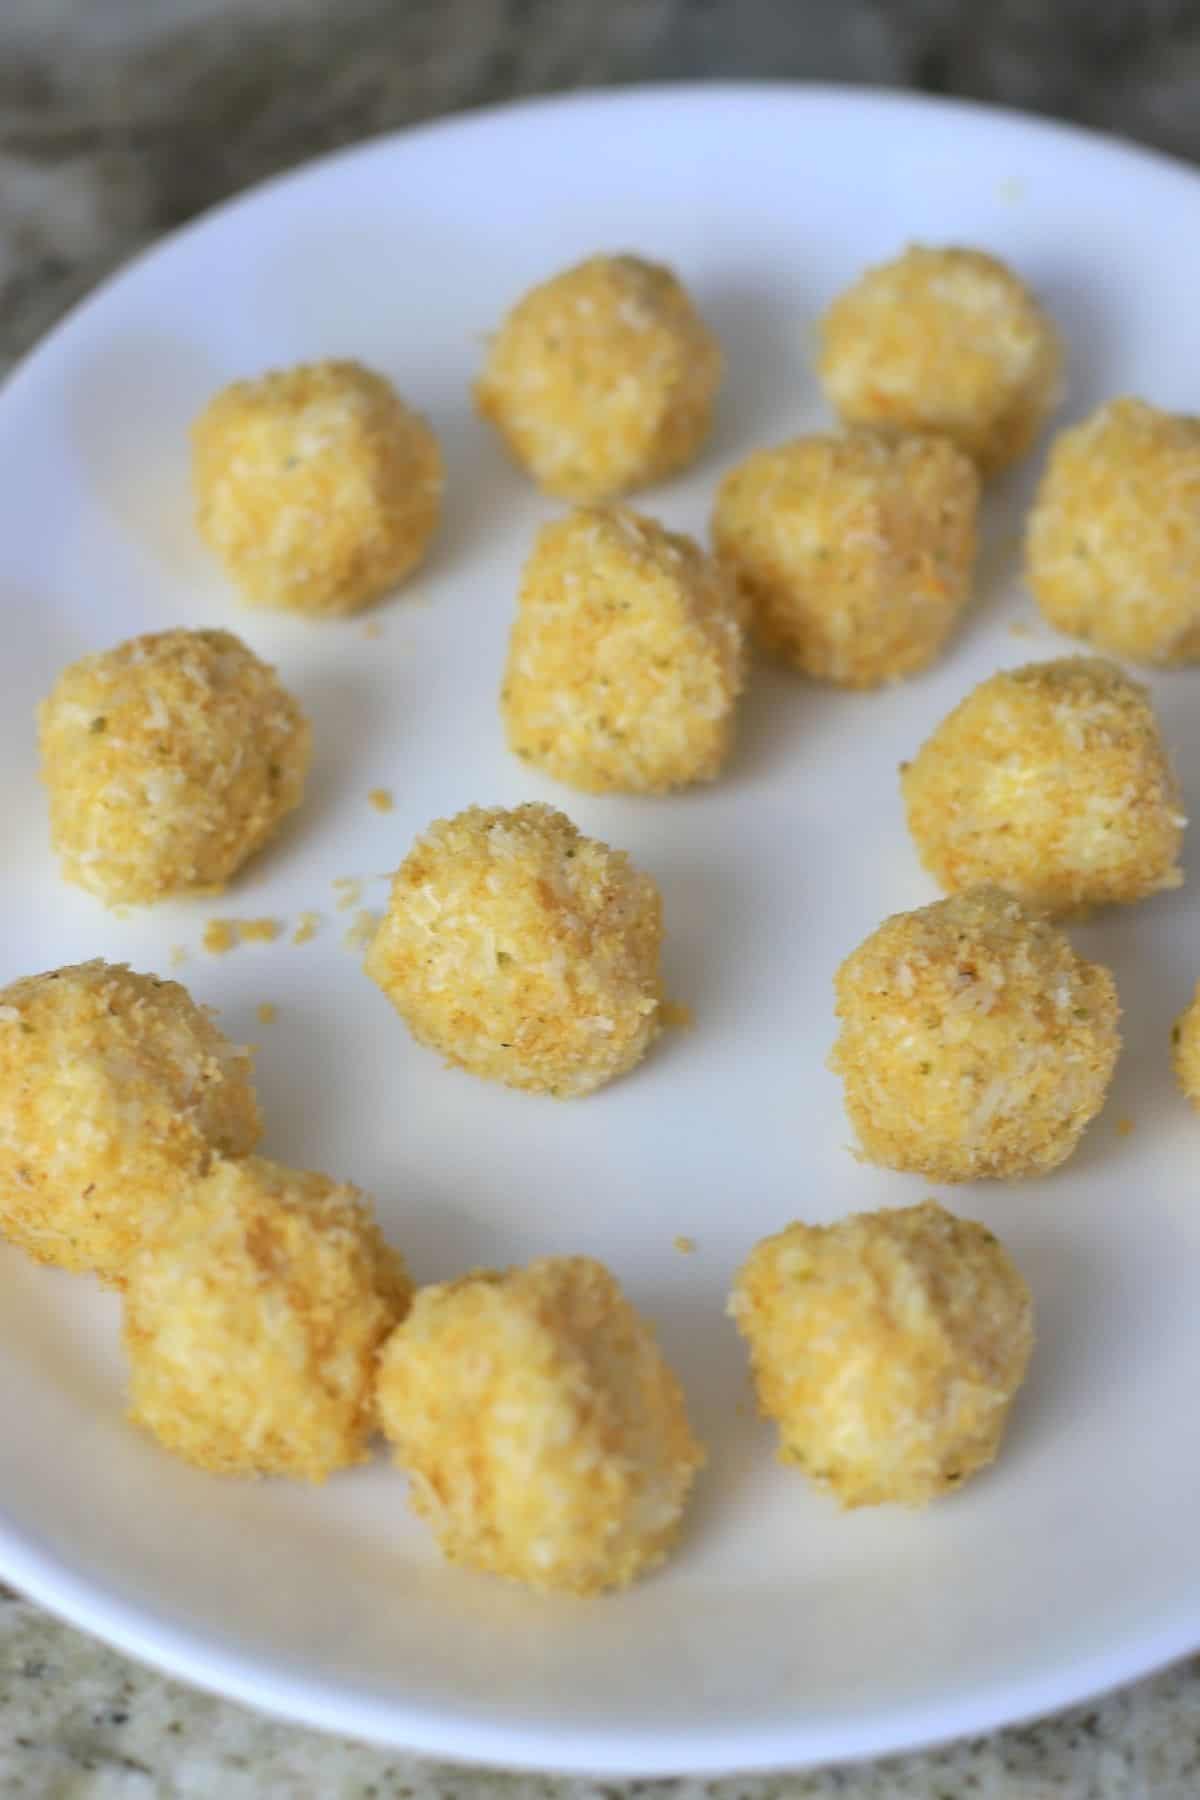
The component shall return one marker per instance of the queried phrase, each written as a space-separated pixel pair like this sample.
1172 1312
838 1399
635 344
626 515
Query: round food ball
854 553
888 1349
317 487
948 341
1113 542
523 951
626 658
116 1089
544 1436
1185 1049
974 1041
1051 781
253 1315
169 761
602 380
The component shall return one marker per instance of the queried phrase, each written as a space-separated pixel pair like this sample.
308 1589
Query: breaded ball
544 1435
253 1315
888 1349
974 1041
317 487
626 658
1052 781
116 1090
602 380
1113 541
523 951
169 761
948 341
1185 1049
854 552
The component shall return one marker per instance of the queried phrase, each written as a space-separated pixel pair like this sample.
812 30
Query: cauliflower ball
888 1349
1113 541
602 380
855 553
626 658
1052 781
523 951
317 487
169 761
253 1315
116 1089
1185 1049
544 1435
974 1041
947 341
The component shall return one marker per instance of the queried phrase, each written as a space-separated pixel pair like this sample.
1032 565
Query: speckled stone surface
118 119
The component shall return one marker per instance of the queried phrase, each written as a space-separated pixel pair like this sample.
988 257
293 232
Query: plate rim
200 1658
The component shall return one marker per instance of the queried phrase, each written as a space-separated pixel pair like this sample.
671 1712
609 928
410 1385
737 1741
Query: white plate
782 1632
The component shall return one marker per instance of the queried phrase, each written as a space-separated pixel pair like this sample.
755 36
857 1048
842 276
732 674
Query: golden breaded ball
854 552
523 951
169 761
888 1349
1051 781
974 1041
544 1435
602 380
948 341
116 1089
1113 540
1185 1049
317 487
626 658
253 1316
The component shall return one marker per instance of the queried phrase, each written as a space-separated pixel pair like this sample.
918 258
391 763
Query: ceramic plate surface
782 1632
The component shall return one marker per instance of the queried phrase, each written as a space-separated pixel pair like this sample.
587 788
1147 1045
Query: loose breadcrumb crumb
267 1012
361 930
1125 1127
1185 1049
259 931
685 1245
349 891
178 955
307 927
253 1315
544 1435
222 935
676 1016
887 1348
219 937
381 799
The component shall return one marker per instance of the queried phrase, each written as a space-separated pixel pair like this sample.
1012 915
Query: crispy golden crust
1113 540
626 658
854 552
523 951
115 1091
253 1314
169 761
602 379
1185 1049
888 1349
948 341
974 1041
544 1435
317 487
1052 781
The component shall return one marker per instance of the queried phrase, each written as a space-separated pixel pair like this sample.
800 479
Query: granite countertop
119 119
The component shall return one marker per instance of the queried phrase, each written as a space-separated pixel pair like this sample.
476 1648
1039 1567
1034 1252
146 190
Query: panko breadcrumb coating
888 1349
1185 1049
1052 781
948 341
253 1315
626 658
523 951
544 1435
602 379
854 552
116 1090
169 761
316 486
1113 540
974 1041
